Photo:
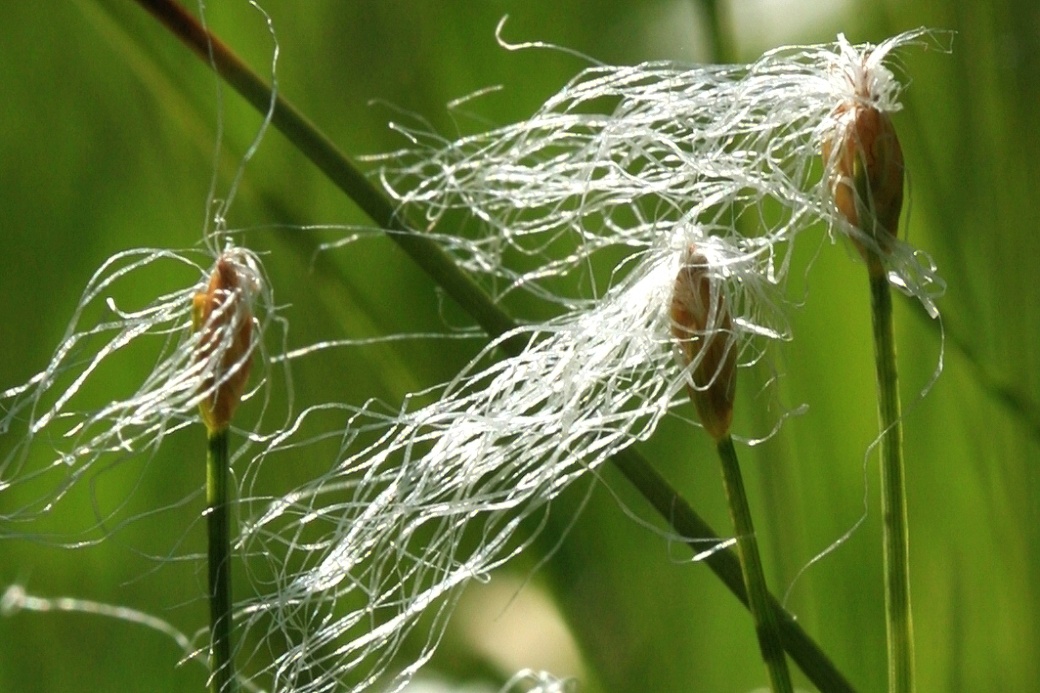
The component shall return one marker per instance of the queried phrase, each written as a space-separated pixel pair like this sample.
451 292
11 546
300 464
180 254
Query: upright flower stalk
899 621
208 332
223 320
864 161
703 330
218 556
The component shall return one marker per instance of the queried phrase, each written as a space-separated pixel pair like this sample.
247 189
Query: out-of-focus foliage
106 143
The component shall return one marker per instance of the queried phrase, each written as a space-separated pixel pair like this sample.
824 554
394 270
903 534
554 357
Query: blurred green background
106 143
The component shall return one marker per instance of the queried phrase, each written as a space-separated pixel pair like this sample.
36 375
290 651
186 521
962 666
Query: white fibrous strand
622 152
385 540
79 410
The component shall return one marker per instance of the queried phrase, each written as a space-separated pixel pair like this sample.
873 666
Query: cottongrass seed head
90 403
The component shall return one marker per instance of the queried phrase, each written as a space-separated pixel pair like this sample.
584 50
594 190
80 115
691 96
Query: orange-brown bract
223 306
867 175
703 328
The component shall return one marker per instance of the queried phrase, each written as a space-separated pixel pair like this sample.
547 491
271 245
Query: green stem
472 298
766 627
898 621
222 669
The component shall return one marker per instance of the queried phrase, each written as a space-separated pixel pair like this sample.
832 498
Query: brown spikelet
223 306
866 174
709 348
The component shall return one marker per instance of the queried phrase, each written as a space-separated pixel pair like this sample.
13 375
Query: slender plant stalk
222 670
766 627
898 621
475 301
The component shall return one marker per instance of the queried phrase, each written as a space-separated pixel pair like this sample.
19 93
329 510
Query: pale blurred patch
759 24
515 626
